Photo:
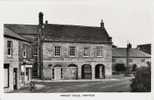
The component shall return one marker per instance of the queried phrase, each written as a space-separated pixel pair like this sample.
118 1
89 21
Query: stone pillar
100 72
93 71
79 72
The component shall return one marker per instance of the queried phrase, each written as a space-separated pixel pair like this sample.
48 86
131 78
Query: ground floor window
6 75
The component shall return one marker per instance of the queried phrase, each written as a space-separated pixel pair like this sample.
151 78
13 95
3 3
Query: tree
120 67
142 80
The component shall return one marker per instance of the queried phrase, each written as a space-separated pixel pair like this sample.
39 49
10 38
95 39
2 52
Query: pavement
62 86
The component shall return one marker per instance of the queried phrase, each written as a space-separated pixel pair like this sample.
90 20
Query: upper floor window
72 51
86 51
9 48
57 50
24 53
99 51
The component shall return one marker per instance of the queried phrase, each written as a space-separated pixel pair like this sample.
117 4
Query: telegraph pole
127 57
40 48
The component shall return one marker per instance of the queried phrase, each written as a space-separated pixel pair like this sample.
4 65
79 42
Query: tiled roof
69 33
11 34
133 52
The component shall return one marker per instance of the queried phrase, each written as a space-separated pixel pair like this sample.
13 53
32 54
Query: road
122 85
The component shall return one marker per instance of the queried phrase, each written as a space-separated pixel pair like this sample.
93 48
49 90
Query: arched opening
86 71
57 72
70 72
99 71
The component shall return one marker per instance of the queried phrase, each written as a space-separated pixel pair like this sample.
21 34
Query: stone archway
99 71
70 72
86 71
57 72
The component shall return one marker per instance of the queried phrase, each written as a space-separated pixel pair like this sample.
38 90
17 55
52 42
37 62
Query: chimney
46 22
40 18
102 24
129 45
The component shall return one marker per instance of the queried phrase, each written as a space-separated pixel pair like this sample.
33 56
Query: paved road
84 86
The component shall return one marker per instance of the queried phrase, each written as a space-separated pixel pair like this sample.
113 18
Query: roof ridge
58 25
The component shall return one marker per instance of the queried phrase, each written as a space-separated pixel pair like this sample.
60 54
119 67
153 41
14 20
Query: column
79 72
93 71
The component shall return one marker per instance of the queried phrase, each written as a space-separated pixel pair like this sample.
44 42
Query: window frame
69 52
88 48
55 51
100 49
24 53
10 49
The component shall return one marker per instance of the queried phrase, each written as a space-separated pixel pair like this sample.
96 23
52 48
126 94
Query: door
15 78
57 73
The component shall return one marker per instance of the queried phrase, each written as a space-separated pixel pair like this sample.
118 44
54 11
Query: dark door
15 78
86 72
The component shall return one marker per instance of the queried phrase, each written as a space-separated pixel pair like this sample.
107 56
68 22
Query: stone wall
49 60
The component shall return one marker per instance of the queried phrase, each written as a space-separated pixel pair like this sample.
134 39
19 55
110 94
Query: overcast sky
125 20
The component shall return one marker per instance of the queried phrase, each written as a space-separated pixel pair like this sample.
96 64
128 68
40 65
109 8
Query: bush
142 80
120 67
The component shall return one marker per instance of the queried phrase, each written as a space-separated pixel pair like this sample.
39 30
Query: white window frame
24 53
101 49
11 48
55 51
88 48
70 51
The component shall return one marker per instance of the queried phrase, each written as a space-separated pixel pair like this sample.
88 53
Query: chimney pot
46 22
40 18
102 24
129 45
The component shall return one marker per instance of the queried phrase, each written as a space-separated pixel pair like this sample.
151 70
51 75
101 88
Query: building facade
135 58
17 64
68 51
76 61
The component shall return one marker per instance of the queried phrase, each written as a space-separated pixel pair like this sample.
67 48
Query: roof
11 34
68 33
133 52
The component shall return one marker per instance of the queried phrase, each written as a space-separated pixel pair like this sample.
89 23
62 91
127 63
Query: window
86 51
9 48
57 50
24 53
72 51
35 51
99 52
6 75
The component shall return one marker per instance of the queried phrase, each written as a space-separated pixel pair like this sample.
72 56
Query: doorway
15 78
86 71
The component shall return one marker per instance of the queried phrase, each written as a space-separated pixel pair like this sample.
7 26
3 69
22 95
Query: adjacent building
145 48
129 57
17 60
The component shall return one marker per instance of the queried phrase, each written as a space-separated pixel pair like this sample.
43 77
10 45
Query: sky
125 20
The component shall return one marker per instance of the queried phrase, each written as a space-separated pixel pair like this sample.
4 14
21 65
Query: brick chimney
40 18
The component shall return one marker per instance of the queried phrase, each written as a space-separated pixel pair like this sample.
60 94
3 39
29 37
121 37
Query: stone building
17 64
68 51
145 48
136 57
77 52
